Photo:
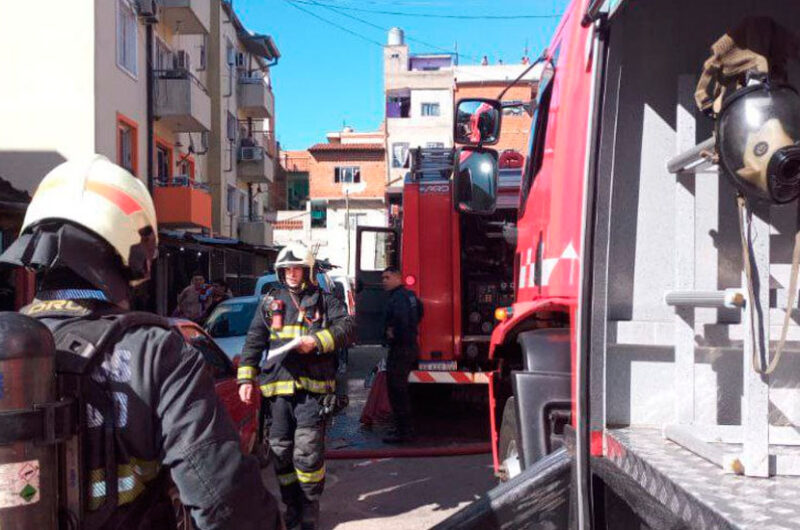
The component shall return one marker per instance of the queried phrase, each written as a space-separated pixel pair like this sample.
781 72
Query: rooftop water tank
396 37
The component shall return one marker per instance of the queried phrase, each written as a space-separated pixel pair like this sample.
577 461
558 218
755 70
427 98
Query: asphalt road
394 493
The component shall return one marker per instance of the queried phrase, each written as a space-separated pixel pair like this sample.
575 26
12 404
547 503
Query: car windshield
231 320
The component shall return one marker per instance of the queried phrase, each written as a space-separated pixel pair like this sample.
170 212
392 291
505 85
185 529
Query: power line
338 11
432 15
334 24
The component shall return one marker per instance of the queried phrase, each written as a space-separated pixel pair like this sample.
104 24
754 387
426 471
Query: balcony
181 101
256 158
182 203
189 17
255 97
255 231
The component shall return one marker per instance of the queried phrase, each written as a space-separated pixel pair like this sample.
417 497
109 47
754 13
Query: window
163 57
319 214
186 167
163 161
232 201
347 175
430 109
127 28
398 106
400 154
377 250
127 143
533 163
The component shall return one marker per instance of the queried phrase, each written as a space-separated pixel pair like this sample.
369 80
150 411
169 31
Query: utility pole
347 224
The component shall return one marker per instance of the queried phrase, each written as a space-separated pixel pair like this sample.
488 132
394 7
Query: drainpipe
150 82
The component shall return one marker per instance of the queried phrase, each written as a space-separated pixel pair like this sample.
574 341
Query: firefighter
402 315
91 231
300 383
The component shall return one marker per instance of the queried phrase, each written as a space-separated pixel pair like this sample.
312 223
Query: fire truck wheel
183 517
508 442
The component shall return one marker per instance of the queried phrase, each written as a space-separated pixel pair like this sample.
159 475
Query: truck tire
508 442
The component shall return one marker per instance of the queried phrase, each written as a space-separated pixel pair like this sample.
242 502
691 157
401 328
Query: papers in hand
277 354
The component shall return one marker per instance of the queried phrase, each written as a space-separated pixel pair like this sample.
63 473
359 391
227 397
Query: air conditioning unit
147 10
182 61
251 153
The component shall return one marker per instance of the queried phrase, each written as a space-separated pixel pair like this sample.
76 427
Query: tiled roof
346 147
288 225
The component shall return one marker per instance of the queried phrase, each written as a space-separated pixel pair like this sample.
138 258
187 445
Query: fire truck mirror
477 122
475 181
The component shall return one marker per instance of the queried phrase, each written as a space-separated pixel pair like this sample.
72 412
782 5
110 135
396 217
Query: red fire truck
629 389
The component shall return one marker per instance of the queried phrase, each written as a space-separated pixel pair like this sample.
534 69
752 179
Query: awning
261 46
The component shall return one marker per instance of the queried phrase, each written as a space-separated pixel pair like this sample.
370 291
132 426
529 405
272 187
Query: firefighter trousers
297 440
399 364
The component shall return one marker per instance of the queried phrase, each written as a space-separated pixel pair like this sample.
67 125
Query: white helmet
99 196
94 218
295 255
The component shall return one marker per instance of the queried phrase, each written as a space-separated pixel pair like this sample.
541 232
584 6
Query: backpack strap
81 346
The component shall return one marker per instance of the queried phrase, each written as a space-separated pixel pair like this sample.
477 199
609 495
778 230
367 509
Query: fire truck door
376 249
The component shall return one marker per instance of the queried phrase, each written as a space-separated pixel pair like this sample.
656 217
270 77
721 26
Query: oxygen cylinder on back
28 464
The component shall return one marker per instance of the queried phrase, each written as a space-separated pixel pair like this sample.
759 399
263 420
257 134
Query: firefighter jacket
283 316
401 317
168 418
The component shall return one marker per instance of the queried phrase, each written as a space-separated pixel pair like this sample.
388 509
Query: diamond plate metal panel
698 491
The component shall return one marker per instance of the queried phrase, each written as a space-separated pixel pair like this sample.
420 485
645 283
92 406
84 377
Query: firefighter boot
310 519
293 516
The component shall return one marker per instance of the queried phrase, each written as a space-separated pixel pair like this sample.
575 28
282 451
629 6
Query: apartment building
419 104
333 188
176 91
347 187
243 156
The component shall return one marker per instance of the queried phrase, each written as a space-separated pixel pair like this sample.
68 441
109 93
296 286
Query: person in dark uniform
402 315
91 231
302 328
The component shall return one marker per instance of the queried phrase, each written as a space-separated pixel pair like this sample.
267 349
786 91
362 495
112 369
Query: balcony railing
256 157
255 96
182 203
181 101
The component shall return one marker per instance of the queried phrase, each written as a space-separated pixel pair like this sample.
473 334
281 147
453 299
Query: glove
328 405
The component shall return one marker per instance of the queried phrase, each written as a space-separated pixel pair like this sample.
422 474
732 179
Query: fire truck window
377 250
537 139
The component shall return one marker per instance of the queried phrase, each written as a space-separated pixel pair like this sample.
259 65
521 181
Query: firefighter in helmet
91 232
301 327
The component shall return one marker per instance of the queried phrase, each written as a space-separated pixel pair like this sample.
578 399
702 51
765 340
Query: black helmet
758 140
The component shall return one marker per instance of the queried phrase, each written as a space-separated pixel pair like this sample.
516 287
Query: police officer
299 384
91 230
402 315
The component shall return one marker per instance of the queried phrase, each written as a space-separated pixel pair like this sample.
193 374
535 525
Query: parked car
223 371
228 323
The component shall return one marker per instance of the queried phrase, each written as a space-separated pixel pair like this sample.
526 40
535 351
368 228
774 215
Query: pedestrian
190 303
91 231
216 294
402 315
300 385
484 61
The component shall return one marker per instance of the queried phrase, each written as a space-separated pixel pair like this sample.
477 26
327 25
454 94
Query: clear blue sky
327 77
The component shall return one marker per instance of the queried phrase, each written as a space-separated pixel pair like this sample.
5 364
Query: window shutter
337 175
356 174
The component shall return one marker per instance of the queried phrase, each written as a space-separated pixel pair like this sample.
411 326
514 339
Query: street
395 493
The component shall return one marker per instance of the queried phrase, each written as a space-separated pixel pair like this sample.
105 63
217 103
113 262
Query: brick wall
516 128
321 173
